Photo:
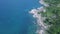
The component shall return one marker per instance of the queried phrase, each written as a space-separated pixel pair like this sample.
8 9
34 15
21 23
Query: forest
52 15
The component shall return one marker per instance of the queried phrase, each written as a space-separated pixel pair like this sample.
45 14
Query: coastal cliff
48 17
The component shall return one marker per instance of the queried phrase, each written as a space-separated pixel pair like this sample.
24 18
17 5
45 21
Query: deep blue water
14 16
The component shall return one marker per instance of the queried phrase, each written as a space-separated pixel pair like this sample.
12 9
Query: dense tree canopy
53 16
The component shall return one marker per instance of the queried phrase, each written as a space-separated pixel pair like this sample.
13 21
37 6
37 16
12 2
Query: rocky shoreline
39 18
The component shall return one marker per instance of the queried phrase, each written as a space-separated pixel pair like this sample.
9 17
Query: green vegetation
52 2
53 16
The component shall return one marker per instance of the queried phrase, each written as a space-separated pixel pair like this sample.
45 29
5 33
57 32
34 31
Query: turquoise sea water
14 16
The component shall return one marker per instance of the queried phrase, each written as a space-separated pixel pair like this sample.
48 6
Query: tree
53 16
